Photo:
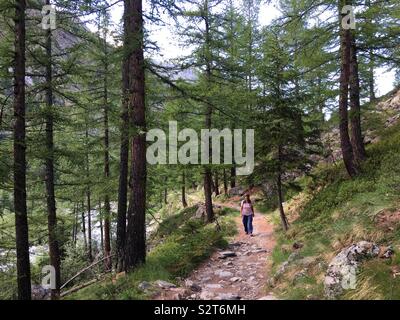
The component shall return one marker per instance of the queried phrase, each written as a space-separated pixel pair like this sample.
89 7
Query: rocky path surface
239 272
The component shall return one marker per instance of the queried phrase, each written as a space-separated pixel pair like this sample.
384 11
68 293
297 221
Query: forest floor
242 276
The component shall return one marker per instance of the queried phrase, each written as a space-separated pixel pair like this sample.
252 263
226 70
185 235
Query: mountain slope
334 212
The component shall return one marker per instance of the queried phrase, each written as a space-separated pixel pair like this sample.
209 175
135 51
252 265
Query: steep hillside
334 212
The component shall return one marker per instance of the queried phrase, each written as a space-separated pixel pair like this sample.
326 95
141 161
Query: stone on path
227 254
228 296
192 286
205 279
235 244
206 295
214 286
223 274
260 251
164 284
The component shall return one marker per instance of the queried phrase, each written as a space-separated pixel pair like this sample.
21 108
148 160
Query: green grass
374 275
341 211
185 244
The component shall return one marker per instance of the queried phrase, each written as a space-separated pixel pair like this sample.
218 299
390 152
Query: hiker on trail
247 213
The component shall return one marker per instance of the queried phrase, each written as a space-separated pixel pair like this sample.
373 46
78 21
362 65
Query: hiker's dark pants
248 224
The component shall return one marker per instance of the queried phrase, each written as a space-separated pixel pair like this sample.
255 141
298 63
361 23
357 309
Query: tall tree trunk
83 222
208 194
89 226
184 202
345 43
1 114
225 182
371 77
54 250
101 228
284 221
73 227
136 230
371 64
216 184
107 233
209 111
357 139
107 209
89 215
124 152
76 224
250 45
233 177
21 219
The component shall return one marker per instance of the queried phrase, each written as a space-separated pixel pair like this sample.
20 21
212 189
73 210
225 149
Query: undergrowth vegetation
334 212
183 243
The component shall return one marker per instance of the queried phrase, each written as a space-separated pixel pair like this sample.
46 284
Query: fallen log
85 269
82 286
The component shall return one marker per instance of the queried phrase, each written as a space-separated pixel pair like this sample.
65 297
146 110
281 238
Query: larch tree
345 56
20 206
205 16
135 253
54 250
287 137
357 139
124 148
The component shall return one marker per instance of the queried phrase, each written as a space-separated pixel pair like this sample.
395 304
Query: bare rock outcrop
342 270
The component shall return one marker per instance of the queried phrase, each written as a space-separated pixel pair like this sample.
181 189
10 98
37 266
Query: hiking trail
239 272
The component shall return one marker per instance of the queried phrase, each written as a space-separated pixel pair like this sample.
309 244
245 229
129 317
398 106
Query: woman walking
247 213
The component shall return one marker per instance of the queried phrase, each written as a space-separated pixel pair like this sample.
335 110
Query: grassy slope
184 244
334 212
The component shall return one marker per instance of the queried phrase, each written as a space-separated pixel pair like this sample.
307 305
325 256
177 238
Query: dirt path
242 276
